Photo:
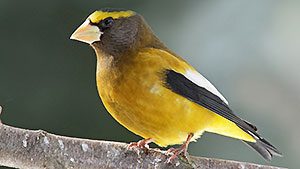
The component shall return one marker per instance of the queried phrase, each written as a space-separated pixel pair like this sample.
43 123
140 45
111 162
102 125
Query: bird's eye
106 23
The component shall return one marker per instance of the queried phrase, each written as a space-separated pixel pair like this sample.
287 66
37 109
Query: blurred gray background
248 49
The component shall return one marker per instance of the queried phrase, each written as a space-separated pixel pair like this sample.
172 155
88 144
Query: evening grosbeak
153 92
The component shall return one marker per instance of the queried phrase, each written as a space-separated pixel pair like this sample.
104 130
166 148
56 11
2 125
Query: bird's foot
175 152
178 151
142 144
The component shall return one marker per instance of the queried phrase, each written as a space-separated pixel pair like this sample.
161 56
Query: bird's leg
182 149
143 144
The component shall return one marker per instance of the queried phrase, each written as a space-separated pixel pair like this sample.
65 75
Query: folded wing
198 89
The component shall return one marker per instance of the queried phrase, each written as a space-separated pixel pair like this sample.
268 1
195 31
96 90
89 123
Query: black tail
262 146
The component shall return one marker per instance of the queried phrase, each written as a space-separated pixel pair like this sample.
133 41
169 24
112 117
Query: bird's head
114 31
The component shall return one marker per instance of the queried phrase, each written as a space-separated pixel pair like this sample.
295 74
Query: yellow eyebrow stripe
97 16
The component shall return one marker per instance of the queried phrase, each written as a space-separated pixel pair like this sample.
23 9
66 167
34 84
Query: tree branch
21 148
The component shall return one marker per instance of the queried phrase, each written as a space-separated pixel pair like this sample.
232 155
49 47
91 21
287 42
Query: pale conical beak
87 33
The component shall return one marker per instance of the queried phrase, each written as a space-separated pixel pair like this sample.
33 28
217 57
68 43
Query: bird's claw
142 144
181 150
175 152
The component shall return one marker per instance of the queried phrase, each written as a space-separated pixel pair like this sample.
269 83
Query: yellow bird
155 93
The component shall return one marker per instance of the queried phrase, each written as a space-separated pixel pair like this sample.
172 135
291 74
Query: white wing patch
201 81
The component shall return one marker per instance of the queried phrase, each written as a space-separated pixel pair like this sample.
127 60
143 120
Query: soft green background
248 49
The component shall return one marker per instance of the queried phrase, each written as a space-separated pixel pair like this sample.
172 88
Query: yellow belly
157 113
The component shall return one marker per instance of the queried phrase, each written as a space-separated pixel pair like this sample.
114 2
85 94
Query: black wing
181 85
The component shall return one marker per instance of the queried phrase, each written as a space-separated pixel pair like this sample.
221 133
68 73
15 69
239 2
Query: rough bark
21 148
